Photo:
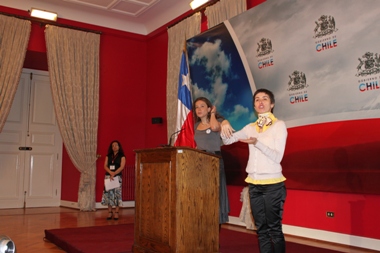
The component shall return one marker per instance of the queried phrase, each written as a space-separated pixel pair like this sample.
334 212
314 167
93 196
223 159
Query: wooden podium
176 201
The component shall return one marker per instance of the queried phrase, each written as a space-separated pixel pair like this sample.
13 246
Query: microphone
171 136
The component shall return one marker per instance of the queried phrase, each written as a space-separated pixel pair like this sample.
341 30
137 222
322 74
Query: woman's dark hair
209 105
110 151
268 92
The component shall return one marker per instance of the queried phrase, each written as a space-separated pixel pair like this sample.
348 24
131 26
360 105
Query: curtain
73 61
14 38
178 35
224 10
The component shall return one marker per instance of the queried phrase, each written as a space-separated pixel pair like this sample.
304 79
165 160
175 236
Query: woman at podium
207 137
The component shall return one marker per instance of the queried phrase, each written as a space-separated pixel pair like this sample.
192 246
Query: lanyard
114 157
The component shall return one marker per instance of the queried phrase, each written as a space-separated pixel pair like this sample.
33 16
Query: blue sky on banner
217 73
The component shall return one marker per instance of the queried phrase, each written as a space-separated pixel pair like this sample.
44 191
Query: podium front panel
177 201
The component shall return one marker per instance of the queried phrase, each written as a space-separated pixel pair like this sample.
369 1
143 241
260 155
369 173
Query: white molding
125 204
322 235
35 71
69 204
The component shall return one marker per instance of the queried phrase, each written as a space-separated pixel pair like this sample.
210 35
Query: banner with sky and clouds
217 73
321 59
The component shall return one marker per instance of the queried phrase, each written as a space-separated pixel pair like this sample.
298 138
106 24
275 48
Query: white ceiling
136 16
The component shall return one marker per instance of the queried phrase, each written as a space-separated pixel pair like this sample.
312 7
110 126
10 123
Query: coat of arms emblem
369 64
324 26
264 47
297 81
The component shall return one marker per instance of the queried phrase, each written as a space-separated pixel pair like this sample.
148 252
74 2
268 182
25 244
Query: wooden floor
26 227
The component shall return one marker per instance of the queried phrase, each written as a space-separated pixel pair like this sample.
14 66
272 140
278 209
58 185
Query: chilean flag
185 121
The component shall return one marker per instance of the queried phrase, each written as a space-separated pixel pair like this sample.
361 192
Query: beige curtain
14 37
224 10
178 35
73 61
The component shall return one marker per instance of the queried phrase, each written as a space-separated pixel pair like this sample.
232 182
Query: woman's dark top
207 140
114 160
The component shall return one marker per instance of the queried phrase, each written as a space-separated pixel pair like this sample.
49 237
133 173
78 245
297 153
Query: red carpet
111 239
119 238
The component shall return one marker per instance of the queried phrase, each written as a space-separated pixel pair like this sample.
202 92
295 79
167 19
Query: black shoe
116 218
110 214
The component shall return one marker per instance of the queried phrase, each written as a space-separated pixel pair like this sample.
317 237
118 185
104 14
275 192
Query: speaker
6 245
157 120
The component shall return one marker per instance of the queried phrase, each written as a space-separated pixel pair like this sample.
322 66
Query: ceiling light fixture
197 3
48 15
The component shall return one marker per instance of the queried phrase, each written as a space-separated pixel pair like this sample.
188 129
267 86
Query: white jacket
264 157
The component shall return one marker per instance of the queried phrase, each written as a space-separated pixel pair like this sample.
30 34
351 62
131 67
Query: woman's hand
227 129
251 140
214 123
213 109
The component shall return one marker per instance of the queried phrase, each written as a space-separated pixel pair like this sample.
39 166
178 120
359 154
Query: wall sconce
48 15
197 3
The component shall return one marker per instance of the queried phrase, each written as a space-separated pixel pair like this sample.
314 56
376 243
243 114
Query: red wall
355 214
122 102
123 96
133 90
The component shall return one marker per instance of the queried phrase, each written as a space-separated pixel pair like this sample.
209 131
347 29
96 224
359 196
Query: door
31 147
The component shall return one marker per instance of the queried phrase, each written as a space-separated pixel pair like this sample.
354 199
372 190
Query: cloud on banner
185 122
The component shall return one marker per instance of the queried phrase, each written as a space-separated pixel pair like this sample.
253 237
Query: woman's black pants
267 205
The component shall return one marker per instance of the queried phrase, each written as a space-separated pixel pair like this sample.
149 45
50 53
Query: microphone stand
171 136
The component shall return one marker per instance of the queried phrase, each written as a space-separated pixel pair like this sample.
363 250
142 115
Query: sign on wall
320 58
322 61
